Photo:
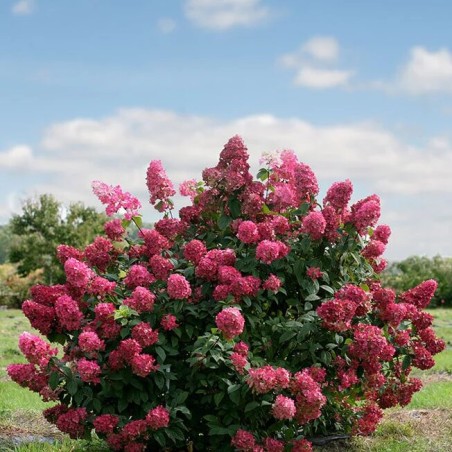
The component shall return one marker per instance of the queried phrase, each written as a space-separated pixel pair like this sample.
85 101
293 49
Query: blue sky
95 89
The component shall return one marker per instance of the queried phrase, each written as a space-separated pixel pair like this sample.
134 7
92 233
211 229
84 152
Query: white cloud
23 7
220 15
16 157
427 72
321 78
118 148
312 64
324 48
166 25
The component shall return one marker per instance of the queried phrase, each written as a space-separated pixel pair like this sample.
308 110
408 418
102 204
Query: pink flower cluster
267 378
230 322
115 199
159 186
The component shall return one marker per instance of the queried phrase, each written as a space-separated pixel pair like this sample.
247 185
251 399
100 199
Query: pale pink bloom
115 199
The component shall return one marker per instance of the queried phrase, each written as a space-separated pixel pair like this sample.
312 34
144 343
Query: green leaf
234 207
286 336
263 174
327 289
406 362
223 222
312 297
97 405
71 386
122 404
251 406
161 353
54 380
138 220
218 397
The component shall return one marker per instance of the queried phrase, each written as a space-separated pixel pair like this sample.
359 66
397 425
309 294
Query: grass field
423 426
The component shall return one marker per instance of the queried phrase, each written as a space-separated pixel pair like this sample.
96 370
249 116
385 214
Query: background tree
5 242
405 274
45 223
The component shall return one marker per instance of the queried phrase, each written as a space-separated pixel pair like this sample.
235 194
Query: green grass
423 426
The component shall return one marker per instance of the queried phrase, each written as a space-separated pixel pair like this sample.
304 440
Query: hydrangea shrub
253 322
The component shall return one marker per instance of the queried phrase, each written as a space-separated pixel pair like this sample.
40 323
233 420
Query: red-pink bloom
144 334
65 252
89 342
104 311
159 186
105 423
53 413
161 267
40 316
134 429
301 445
272 283
169 322
100 286
143 364
99 253
339 194
245 286
154 241
267 251
241 348
264 379
114 229
158 417
128 348
89 371
365 213
35 349
382 233
273 445
308 397
194 251
68 313
422 357
337 314
135 447
314 273
432 343
73 422
228 274
243 440
421 295
207 268
283 408
239 362
188 188
178 287
373 249
170 228
314 224
142 300
78 274
370 417
138 275
230 322
114 198
27 376
370 344
248 232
